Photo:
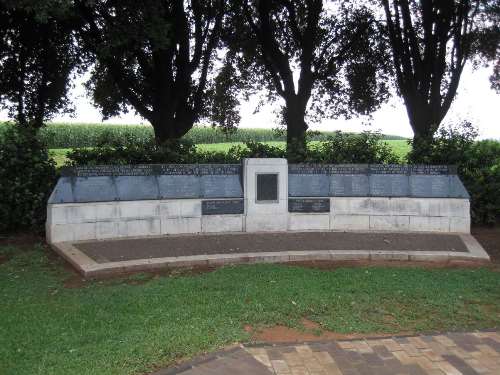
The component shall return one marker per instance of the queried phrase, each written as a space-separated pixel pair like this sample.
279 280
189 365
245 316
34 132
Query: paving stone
420 355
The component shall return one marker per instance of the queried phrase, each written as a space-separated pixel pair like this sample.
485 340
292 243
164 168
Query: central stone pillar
266 194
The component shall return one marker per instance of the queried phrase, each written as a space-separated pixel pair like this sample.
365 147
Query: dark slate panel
177 169
179 186
309 205
349 169
94 189
430 186
431 169
63 192
221 186
388 169
308 185
356 185
219 169
223 207
457 188
389 185
267 187
136 188
110 170
307 169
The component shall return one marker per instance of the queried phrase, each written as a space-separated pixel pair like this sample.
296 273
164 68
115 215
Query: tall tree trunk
294 115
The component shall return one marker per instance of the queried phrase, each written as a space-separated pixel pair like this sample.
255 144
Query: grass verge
131 326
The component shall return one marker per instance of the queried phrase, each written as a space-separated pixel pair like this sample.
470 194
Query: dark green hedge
27 176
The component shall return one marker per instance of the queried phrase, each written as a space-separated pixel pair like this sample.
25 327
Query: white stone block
389 223
456 208
429 224
82 213
180 208
107 229
144 227
180 225
107 211
60 233
139 209
460 224
349 222
57 214
305 222
84 231
407 207
380 206
351 206
222 223
266 223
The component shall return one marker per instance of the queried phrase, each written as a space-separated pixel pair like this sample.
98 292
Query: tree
431 41
297 49
152 55
37 56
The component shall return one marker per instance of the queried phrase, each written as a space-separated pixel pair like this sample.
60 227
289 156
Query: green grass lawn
400 147
131 326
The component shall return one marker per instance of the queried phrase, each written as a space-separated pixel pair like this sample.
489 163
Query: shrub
344 148
27 176
478 166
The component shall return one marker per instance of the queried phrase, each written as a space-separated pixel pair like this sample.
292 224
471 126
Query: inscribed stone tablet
388 169
63 192
308 185
179 186
219 169
430 186
94 189
429 169
389 185
223 207
457 188
348 169
308 169
177 169
221 186
267 187
136 188
308 205
356 185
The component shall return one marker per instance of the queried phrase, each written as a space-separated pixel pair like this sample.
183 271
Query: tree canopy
300 49
431 41
38 53
154 56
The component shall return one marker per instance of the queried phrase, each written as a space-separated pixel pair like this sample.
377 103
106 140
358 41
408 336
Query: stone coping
88 267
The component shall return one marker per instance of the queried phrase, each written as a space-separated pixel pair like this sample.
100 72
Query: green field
53 324
60 135
400 147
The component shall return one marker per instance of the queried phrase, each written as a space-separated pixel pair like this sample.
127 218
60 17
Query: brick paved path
451 354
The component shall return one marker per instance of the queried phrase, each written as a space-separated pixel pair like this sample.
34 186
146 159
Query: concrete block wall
400 214
98 221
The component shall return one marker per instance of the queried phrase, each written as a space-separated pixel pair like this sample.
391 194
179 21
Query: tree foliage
152 55
431 41
299 50
38 53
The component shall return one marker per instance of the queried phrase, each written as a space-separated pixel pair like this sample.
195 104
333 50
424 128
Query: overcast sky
475 102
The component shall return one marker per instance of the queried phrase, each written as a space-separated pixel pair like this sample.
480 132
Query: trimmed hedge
340 148
27 176
56 135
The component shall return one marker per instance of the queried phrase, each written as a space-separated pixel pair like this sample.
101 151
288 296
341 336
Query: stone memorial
102 202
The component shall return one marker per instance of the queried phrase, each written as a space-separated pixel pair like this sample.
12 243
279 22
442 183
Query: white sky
475 102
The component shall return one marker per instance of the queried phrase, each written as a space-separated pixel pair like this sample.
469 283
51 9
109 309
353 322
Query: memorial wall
104 202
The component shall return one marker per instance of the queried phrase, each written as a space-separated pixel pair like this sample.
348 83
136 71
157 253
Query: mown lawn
400 147
131 326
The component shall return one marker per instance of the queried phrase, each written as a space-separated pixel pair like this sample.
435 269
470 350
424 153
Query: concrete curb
92 269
